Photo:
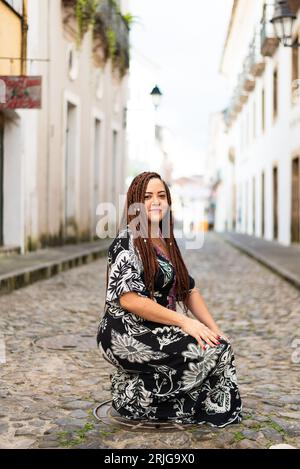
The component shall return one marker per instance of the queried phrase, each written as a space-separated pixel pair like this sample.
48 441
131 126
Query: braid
136 194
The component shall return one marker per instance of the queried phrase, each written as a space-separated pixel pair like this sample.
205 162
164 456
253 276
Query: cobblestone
47 396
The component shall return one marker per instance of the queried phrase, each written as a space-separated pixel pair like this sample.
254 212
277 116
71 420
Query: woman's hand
199 331
221 334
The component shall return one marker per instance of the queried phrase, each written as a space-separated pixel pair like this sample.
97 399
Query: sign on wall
20 92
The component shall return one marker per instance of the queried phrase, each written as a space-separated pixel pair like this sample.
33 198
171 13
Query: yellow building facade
13 37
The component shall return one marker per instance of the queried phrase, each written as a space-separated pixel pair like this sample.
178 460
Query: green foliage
129 19
80 435
238 436
112 42
85 14
86 17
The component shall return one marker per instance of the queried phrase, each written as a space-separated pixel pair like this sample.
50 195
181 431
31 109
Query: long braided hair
135 195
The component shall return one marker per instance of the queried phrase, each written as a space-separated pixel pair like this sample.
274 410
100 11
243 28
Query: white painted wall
34 195
281 139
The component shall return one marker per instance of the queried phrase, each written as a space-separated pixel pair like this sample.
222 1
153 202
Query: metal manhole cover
107 414
81 343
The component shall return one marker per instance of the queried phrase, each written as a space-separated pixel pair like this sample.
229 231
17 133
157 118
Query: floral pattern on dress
161 372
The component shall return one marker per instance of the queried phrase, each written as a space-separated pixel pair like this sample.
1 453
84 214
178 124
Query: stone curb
18 278
274 267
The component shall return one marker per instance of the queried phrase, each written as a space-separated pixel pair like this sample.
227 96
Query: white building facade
64 159
261 157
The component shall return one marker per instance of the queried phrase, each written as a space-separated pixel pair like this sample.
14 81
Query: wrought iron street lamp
283 21
156 96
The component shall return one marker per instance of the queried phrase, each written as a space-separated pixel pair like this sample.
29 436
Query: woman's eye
148 196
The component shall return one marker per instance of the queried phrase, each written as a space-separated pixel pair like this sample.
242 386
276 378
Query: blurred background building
61 159
254 153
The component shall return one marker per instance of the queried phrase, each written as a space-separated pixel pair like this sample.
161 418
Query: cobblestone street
49 388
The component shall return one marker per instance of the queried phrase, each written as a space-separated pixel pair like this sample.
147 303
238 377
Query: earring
145 241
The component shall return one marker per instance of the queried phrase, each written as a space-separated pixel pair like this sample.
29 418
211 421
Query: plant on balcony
108 25
85 11
112 42
129 19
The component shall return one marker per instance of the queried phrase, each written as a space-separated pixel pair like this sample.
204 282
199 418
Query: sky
185 40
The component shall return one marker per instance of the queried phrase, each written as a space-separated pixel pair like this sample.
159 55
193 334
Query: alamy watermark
296 354
140 224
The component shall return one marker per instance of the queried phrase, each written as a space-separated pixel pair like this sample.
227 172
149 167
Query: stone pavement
284 260
54 375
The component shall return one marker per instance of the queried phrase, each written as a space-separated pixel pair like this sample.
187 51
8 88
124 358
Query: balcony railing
256 60
247 79
269 41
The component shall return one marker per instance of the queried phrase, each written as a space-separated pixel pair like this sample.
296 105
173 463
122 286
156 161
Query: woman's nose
155 201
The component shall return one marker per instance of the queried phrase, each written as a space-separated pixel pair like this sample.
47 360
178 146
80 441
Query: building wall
258 151
92 92
10 39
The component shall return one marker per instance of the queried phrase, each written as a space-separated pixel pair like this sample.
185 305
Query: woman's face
156 202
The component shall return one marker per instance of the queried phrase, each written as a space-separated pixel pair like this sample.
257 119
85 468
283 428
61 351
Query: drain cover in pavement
108 415
81 343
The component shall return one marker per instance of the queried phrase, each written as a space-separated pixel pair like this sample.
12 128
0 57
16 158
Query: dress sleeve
124 270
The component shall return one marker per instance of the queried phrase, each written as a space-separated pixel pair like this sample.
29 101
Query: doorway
275 202
295 226
1 177
71 172
96 172
253 207
263 205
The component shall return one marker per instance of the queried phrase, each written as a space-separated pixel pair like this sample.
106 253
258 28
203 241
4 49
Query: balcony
246 79
237 103
248 82
113 31
257 63
229 118
110 30
240 98
269 42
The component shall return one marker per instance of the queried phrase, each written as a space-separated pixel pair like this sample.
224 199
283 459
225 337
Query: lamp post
156 96
283 21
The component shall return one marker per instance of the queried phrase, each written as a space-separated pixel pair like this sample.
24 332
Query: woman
168 366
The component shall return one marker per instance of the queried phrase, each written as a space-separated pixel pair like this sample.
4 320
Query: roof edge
233 12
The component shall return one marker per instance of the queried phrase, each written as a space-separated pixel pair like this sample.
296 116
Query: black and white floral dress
161 372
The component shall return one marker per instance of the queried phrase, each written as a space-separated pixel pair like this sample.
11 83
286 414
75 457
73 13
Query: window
254 120
247 128
295 72
263 110
263 204
275 94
